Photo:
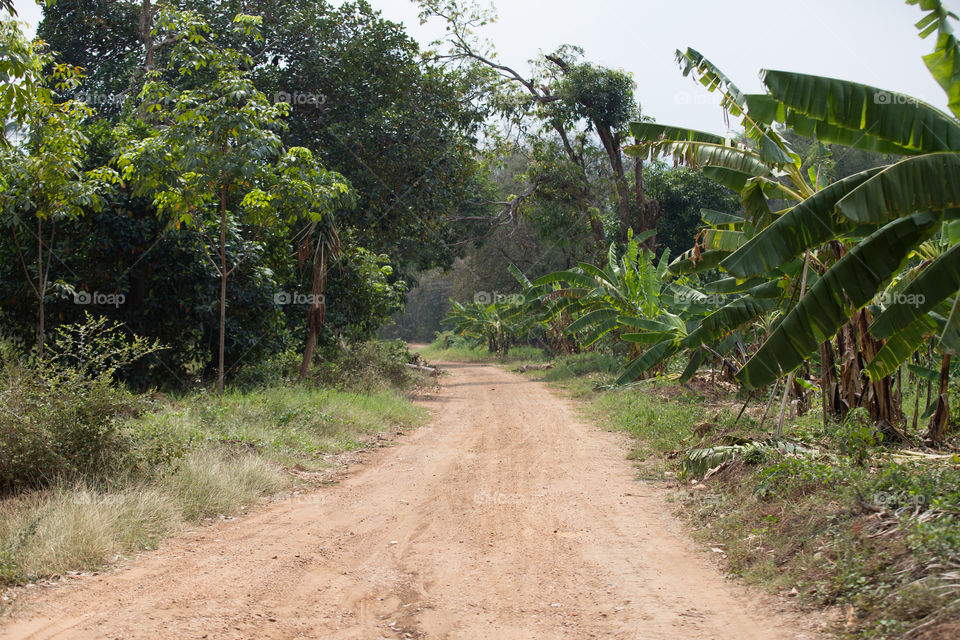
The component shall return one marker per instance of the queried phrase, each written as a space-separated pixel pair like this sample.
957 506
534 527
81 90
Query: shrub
276 370
449 340
61 415
857 436
366 366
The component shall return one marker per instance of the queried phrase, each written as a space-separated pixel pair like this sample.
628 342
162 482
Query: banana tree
634 298
495 325
903 205
767 174
860 232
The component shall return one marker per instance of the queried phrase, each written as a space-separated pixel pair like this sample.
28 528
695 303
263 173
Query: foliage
366 367
63 414
44 182
495 325
363 293
360 97
857 437
214 148
865 260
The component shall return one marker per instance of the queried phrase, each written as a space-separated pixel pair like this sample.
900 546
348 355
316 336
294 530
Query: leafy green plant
857 436
212 156
62 415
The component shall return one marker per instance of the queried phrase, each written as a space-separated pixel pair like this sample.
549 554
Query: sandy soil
507 518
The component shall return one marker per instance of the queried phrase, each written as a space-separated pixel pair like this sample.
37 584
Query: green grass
788 522
462 353
288 425
199 457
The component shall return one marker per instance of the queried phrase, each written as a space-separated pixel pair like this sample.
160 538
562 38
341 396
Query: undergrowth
829 514
91 473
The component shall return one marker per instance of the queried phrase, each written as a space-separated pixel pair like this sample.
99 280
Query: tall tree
570 99
214 147
402 131
44 184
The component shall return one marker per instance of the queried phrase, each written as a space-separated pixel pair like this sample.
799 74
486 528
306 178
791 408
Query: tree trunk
649 209
317 313
849 379
916 405
41 290
828 383
622 189
146 26
223 287
877 397
941 417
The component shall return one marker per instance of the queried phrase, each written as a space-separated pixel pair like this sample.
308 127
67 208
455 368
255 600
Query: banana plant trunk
829 385
880 396
941 416
852 388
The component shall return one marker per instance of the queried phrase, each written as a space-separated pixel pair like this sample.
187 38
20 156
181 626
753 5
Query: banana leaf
847 286
935 283
888 115
918 183
805 226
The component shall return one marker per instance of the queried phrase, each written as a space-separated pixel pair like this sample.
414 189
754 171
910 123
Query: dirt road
507 518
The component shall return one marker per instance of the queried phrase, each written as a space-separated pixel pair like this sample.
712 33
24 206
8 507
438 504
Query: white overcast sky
869 41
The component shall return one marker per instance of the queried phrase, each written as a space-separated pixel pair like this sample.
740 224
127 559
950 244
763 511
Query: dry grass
70 528
213 482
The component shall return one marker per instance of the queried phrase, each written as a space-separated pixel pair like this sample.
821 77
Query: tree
858 233
359 95
683 194
215 143
44 184
572 100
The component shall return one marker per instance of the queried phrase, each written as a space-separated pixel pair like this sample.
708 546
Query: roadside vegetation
91 473
211 211
449 346
794 366
191 282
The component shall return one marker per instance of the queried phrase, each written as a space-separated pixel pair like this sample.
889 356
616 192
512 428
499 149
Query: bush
450 340
276 370
61 415
366 367
857 436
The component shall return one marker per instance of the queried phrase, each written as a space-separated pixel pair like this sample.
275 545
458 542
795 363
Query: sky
869 41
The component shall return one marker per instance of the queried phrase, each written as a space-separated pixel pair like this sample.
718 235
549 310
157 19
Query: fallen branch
418 367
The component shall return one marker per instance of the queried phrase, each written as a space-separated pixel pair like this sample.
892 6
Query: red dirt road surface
506 518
